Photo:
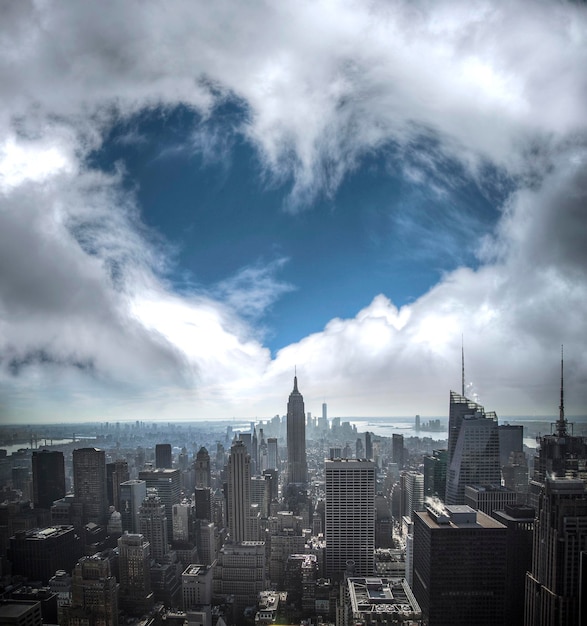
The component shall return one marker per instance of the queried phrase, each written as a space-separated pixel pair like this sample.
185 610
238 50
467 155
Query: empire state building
297 466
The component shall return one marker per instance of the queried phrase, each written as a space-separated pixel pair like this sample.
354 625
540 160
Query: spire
562 422
462 367
295 389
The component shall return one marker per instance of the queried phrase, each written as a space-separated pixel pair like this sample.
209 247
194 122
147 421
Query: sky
199 199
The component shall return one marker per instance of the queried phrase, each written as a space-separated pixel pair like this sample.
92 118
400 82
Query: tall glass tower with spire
297 466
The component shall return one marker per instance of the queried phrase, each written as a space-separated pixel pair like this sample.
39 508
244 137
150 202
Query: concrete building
197 586
272 453
94 594
349 516
89 481
459 566
135 594
239 492
489 498
297 465
203 475
240 573
116 473
412 490
167 482
20 613
379 601
153 524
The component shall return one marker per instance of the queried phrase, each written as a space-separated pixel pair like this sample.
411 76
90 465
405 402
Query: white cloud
85 312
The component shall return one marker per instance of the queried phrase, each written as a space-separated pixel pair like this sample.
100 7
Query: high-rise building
489 498
153 524
116 473
368 446
350 516
297 466
435 474
48 477
20 613
240 573
89 481
239 492
135 595
412 484
167 482
132 494
163 456
473 448
398 450
202 468
196 586
555 586
272 453
511 439
94 593
459 566
519 521
182 516
37 554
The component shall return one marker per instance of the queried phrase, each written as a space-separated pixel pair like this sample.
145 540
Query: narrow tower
297 467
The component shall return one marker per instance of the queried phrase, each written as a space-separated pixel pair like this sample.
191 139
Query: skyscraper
459 566
94 593
350 516
473 448
239 492
132 494
167 482
153 524
163 455
202 468
48 477
555 586
135 595
297 466
89 481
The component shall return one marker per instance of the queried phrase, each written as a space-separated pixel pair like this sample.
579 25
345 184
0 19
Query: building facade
297 466
349 516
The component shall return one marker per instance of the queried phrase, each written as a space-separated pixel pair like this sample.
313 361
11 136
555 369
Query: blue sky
197 198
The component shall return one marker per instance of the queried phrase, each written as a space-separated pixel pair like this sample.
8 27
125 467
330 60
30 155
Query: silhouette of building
350 516
459 566
239 492
48 477
89 481
135 595
297 466
555 587
473 448
511 439
368 446
132 494
163 458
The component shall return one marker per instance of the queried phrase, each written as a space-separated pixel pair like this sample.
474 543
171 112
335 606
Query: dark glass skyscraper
48 477
89 480
297 466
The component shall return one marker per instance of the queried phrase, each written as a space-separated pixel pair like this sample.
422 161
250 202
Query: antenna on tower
462 367
562 422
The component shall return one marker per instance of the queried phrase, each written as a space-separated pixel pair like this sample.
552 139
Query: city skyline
200 201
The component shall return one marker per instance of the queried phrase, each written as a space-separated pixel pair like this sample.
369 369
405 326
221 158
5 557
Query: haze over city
197 200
